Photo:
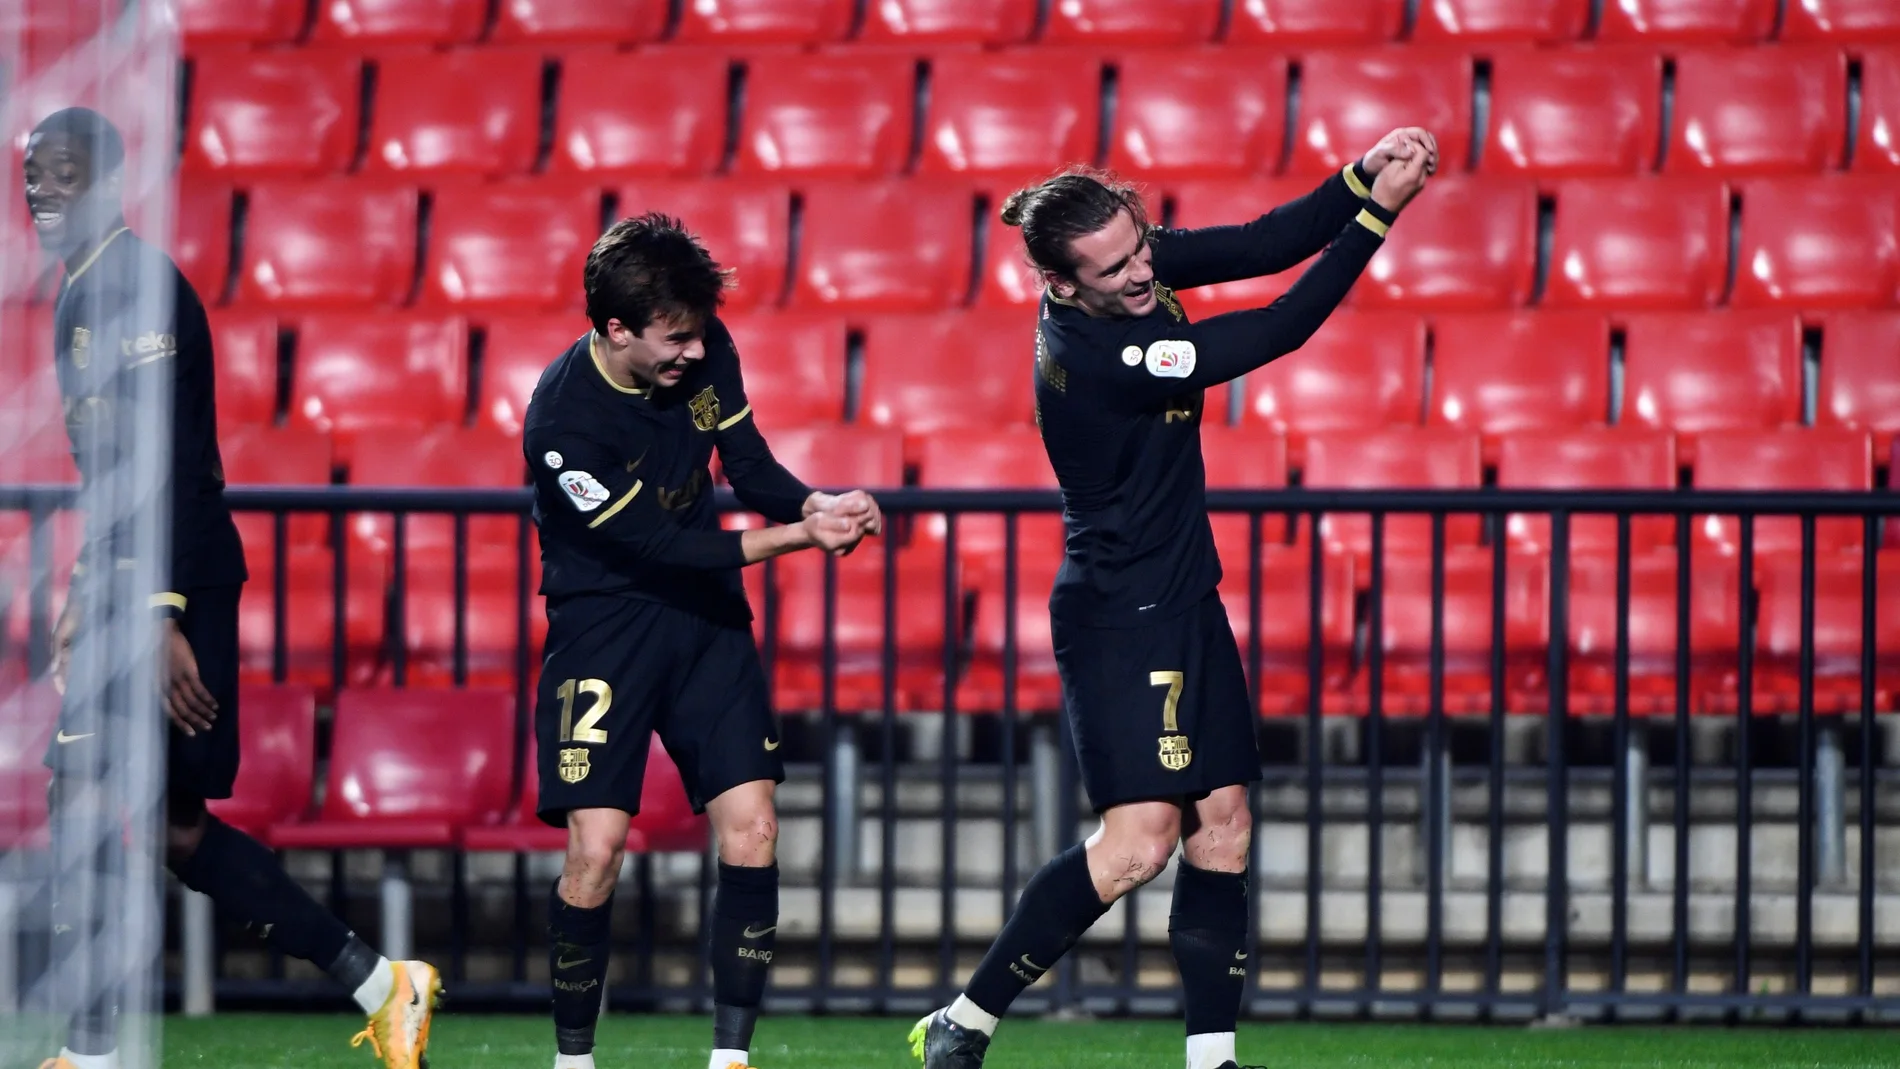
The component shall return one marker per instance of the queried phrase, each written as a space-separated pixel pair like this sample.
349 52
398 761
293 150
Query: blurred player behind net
124 314
1152 681
648 626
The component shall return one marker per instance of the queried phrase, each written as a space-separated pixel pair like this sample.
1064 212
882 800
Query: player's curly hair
1054 212
648 267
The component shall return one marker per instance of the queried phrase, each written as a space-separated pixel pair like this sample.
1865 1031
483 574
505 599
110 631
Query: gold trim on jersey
86 265
616 506
735 417
593 352
1371 222
1353 183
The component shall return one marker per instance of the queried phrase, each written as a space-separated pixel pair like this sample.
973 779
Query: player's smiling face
68 208
661 354
1114 271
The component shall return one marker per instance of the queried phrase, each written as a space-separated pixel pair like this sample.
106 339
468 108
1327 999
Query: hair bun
1013 207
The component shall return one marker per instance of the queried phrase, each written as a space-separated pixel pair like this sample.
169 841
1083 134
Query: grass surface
246 1041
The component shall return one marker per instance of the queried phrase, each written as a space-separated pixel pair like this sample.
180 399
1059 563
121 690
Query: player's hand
856 505
1402 144
191 707
835 534
63 633
1398 184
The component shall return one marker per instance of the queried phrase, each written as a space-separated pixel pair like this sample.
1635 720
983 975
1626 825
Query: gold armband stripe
735 417
168 601
616 506
1372 223
1353 183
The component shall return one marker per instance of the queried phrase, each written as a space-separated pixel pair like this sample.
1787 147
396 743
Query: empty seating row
1470 243
1172 114
1101 22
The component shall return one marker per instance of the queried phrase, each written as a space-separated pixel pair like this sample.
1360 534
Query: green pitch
243 1041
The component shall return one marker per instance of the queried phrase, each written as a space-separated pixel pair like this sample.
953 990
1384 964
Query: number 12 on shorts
603 695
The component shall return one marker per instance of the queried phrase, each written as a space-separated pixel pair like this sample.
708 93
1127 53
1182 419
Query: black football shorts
619 669
1158 711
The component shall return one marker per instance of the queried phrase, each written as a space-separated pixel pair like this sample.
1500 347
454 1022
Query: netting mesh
81 881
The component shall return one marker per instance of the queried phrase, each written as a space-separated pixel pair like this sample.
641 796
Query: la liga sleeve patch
583 490
1170 359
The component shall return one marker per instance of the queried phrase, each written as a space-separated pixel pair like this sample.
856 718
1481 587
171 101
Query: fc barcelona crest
574 766
705 409
82 344
1176 753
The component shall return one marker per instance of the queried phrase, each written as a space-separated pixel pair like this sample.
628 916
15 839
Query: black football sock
744 923
577 960
1058 905
248 882
1207 929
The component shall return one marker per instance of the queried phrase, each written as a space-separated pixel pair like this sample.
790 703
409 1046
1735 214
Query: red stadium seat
1591 458
273 113
1856 22
330 243
1501 373
1361 371
439 457
1543 21
200 223
848 116
357 372
666 821
1758 111
1714 21
793 364
373 22
28 717
1794 458
240 21
244 349
764 21
310 617
1877 144
1713 604
513 245
1465 630
1286 599
580 21
842 457
1573 112
976 22
1470 246
489 616
277 758
1837 634
973 459
1011 115
1818 242
1243 458
1225 202
472 111
1397 458
859 633
449 768
1163 23
1038 683
1639 243
1208 113
1860 378
518 349
1349 100
1315 22
676 125
890 246
1692 373
277 456
917 377
746 226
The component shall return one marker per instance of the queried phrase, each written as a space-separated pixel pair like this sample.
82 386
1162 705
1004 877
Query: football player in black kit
648 626
130 336
1152 680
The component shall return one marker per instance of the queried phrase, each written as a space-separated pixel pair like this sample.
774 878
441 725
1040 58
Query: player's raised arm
762 484
1287 235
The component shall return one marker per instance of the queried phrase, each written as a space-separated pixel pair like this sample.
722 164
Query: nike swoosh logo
632 464
760 934
563 963
770 745
62 738
1032 966
1240 955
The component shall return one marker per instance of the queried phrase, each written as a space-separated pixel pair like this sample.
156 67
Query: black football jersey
1120 400
130 336
623 490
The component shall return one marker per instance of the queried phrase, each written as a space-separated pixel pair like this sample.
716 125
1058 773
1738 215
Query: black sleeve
620 512
1160 358
1284 237
760 481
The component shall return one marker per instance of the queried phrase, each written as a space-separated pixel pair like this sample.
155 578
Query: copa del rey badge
1169 359
584 490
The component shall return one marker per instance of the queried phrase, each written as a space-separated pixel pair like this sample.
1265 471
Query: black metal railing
938 765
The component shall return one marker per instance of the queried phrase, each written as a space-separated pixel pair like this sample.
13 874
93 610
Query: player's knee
593 865
749 838
1222 828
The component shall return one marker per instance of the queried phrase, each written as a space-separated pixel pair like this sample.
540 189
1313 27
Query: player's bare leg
580 923
744 915
1059 903
1207 924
